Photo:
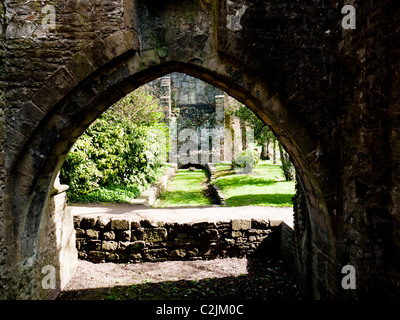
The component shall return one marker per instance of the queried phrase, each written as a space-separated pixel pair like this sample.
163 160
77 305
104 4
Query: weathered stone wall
199 107
368 211
58 237
187 90
2 130
119 239
32 53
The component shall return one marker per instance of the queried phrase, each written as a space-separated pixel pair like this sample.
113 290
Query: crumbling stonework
329 94
198 110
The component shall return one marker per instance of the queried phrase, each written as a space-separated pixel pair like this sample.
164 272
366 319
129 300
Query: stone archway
98 75
43 154
290 63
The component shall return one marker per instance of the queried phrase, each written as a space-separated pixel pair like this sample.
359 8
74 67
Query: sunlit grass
264 187
186 189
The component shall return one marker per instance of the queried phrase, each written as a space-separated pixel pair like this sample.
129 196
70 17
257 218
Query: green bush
246 159
117 150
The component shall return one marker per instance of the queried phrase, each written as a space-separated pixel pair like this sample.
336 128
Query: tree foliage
262 135
247 159
125 146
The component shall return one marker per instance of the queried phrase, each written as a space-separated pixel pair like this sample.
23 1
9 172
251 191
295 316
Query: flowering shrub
121 150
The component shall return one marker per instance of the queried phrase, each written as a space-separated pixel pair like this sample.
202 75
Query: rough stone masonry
119 239
330 94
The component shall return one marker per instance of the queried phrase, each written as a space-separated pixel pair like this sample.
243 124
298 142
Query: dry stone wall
117 239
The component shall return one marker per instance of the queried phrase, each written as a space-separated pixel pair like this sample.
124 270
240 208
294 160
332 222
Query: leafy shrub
117 152
246 159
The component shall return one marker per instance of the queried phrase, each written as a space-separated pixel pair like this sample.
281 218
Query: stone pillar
220 125
56 245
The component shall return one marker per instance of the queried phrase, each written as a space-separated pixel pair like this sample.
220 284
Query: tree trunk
285 164
265 151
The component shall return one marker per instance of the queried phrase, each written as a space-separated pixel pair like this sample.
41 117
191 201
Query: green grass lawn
186 189
264 187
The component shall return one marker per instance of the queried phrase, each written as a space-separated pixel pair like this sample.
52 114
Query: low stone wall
215 190
122 240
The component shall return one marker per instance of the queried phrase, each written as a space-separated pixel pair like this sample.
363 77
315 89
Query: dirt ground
97 275
228 278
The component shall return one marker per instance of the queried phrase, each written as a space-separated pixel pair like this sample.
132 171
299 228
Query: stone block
178 253
82 255
155 234
253 232
135 257
97 53
103 223
80 233
208 235
259 224
193 252
155 254
88 222
135 225
44 98
109 245
124 235
77 221
252 238
96 256
120 224
275 223
80 66
137 234
236 234
92 233
182 236
117 44
79 243
124 245
150 224
207 250
93 245
241 240
137 245
113 257
205 225
183 242
109 235
261 237
61 82
241 224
